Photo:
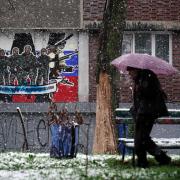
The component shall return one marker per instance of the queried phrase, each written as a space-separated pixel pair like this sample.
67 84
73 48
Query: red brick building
151 27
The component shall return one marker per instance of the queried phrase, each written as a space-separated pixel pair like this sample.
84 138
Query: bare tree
107 96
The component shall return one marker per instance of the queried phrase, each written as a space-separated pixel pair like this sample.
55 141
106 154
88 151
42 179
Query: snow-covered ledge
152 25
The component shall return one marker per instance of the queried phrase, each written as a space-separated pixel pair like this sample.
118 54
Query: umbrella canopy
144 61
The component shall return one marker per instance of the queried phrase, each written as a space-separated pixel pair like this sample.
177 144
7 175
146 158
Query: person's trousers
143 141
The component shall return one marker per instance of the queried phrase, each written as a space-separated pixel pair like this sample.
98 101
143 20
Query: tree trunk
105 140
107 99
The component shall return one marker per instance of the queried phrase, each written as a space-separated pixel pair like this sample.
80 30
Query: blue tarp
64 141
122 132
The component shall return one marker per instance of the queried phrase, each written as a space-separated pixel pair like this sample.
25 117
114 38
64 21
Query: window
156 44
143 43
162 46
127 44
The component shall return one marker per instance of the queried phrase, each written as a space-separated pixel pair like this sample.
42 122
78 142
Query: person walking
148 105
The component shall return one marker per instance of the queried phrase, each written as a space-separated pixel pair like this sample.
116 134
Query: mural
35 71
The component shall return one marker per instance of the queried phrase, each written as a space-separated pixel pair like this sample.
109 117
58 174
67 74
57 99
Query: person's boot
142 163
163 158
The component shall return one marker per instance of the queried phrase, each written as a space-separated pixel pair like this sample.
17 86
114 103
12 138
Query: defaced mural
47 74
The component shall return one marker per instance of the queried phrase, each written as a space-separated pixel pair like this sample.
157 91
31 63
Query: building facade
42 25
152 27
56 26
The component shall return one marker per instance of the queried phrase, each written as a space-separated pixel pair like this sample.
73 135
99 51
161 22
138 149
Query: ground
29 166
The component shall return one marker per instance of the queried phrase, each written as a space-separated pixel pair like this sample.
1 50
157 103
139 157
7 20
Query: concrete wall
11 137
46 14
11 134
83 81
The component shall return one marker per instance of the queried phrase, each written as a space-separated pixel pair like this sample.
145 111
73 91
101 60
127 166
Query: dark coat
43 63
15 63
149 98
28 62
4 61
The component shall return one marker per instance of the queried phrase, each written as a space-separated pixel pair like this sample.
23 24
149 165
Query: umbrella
143 61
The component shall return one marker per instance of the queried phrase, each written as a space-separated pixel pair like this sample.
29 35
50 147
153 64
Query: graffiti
38 135
42 128
6 129
12 134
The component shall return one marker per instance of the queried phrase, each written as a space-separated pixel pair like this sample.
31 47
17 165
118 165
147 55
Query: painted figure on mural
43 74
5 74
54 62
29 65
43 68
16 67
4 69
58 61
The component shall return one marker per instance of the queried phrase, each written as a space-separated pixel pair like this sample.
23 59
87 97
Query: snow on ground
30 166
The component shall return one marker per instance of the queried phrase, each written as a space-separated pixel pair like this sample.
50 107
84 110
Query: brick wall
93 50
157 10
170 84
93 9
164 10
176 63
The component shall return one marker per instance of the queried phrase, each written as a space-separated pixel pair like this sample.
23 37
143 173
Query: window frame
153 40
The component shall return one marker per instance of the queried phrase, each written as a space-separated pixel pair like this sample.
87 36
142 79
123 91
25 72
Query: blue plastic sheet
122 132
64 141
